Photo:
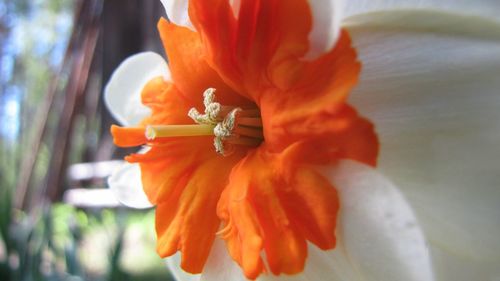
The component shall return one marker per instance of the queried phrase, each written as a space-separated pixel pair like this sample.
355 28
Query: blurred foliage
65 243
45 241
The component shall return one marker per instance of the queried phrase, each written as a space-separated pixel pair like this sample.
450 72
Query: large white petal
380 233
379 237
327 16
321 265
483 8
122 94
430 83
177 12
125 183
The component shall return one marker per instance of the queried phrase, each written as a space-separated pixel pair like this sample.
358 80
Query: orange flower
277 181
265 193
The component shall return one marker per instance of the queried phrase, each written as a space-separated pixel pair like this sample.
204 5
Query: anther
231 125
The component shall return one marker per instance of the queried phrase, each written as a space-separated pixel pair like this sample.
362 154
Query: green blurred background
57 219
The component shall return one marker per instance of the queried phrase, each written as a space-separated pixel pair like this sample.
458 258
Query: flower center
230 125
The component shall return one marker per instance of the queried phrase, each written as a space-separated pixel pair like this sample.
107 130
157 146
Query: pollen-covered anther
232 125
212 109
223 130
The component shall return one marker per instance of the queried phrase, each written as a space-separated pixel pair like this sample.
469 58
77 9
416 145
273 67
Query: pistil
162 131
229 125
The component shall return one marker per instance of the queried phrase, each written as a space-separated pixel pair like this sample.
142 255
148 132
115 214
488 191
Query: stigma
231 126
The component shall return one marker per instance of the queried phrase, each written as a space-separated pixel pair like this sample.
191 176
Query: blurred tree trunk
129 28
105 33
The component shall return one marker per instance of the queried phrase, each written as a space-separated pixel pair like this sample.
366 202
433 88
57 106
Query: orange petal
314 103
128 137
217 26
261 211
190 72
164 167
340 134
168 105
245 50
187 221
317 215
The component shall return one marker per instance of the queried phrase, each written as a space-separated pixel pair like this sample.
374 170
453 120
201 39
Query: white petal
122 94
126 185
430 83
379 236
379 231
321 265
177 12
327 16
220 266
483 8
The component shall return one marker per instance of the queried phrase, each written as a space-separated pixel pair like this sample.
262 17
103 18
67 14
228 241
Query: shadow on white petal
177 12
326 20
431 88
332 265
378 229
126 185
451 267
122 94
220 266
321 265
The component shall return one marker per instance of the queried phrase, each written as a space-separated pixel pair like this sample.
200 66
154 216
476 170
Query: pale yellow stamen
229 125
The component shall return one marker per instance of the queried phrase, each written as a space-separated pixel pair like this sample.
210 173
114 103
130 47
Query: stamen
248 131
250 113
239 140
224 130
228 124
212 109
250 121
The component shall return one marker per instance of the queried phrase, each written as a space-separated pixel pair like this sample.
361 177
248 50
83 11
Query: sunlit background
58 221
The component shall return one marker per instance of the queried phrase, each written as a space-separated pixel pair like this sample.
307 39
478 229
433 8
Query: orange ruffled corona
260 199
